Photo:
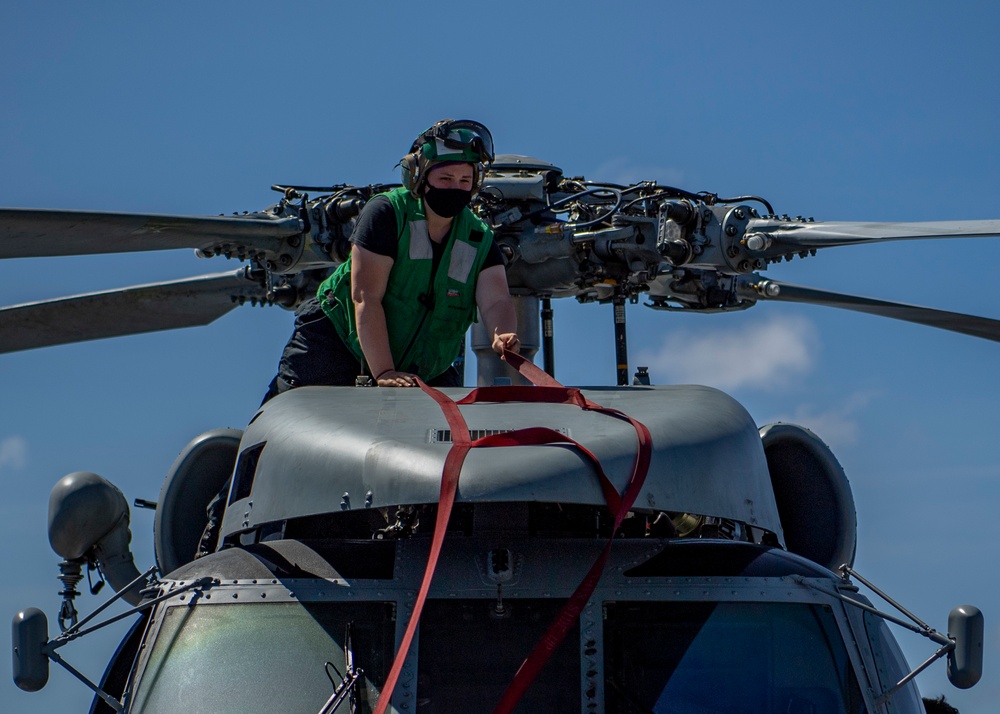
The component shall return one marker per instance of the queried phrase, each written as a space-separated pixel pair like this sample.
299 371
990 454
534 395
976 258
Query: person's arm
369 277
497 309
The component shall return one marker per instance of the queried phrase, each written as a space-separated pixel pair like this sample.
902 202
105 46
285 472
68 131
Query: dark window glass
246 470
469 653
891 667
737 658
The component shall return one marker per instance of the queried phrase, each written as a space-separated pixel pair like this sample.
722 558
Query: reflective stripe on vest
427 311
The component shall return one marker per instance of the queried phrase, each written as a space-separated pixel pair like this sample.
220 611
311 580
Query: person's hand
392 378
506 341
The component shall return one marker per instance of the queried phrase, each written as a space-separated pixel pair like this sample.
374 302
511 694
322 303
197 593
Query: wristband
383 373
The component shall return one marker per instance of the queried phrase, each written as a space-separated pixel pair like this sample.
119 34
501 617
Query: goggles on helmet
457 140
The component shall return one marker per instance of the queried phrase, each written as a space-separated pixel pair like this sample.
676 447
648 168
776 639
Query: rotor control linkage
621 338
548 337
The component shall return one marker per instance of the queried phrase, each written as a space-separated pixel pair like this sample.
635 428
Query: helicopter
638 548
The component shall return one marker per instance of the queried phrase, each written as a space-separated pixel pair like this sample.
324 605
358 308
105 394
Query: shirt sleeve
376 229
493 257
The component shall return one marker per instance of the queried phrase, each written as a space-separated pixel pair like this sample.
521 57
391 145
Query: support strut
621 340
548 343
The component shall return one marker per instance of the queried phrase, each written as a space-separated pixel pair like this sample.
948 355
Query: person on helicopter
421 264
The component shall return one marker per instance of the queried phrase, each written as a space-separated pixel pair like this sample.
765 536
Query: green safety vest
425 336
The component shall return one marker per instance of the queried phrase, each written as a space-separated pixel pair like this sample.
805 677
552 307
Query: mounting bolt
757 242
768 289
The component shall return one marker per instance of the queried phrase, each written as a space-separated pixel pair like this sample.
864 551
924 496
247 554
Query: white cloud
837 426
13 453
623 171
758 355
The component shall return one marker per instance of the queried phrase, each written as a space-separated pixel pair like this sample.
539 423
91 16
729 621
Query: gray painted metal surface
687 572
329 449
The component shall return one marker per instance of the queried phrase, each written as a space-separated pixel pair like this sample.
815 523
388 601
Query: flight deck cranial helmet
449 140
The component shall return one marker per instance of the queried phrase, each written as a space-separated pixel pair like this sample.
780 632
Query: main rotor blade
954 321
39 233
825 234
128 311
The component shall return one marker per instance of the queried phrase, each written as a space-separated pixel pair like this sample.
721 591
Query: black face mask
447 202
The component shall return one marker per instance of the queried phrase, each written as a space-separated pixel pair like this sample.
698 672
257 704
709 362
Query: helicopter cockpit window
891 667
264 657
491 638
742 657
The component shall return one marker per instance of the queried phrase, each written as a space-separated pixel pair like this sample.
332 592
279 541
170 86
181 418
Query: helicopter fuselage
718 592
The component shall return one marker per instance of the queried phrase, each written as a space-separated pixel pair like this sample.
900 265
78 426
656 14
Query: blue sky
839 111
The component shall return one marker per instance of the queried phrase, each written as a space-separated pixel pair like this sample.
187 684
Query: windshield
265 657
470 650
737 658
891 667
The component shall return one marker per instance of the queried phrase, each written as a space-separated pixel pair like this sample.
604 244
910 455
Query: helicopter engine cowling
813 496
197 476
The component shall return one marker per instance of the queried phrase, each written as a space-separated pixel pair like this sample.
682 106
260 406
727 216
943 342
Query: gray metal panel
127 311
375 446
41 232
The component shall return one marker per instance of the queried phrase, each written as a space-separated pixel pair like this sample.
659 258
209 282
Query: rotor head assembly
559 236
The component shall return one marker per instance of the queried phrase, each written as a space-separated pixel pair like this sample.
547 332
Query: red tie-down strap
549 391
